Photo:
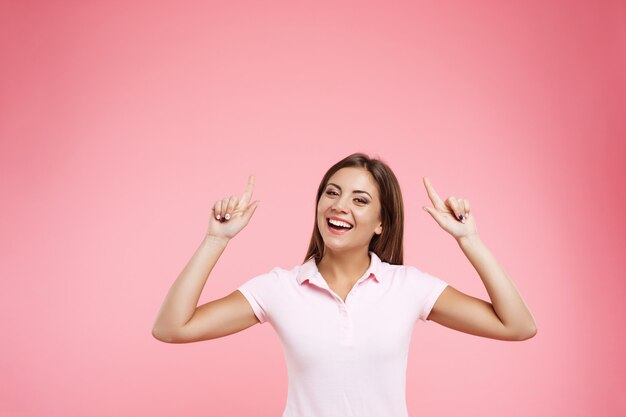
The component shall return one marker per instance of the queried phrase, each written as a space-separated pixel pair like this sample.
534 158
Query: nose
339 204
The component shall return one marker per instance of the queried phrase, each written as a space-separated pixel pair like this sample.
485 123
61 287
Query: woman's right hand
231 214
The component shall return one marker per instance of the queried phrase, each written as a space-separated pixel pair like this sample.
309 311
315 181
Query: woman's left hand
453 215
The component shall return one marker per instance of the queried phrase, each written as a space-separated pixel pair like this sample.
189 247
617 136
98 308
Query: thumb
432 212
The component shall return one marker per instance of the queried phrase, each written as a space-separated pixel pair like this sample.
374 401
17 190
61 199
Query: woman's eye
333 192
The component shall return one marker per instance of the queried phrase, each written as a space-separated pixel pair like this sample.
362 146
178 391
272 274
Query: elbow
162 336
528 334
158 336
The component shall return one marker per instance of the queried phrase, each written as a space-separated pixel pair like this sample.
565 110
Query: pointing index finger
247 194
432 194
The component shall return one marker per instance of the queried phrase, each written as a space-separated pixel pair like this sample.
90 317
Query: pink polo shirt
345 359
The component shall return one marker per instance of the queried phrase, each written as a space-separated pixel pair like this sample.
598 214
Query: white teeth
340 223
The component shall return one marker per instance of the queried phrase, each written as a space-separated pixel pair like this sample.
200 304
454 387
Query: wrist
216 239
469 239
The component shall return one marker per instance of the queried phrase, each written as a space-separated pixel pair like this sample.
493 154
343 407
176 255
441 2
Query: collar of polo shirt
309 269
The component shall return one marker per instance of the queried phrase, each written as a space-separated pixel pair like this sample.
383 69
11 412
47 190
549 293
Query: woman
346 315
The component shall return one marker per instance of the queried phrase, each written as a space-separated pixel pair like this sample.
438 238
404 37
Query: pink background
121 124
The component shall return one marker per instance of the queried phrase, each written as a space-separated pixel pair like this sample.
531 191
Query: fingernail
217 217
227 216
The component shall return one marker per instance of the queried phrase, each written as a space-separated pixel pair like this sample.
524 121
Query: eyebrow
355 191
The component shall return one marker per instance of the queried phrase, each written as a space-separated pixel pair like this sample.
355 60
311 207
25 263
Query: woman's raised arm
507 317
180 320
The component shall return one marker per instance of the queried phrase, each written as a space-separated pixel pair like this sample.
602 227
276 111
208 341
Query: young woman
345 316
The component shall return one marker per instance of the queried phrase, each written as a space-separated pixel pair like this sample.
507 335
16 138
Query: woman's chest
320 325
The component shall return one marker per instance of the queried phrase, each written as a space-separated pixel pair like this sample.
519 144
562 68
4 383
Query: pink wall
121 124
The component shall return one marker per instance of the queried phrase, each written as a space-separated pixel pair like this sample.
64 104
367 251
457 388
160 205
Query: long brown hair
388 245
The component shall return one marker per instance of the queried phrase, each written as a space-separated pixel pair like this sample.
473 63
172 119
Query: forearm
182 298
505 298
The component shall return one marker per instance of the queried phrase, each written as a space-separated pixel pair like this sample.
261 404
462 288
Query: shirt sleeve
258 291
426 289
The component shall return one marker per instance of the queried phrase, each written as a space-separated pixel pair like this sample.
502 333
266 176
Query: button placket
347 334
346 324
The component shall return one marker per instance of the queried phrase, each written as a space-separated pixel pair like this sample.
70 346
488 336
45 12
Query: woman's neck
344 267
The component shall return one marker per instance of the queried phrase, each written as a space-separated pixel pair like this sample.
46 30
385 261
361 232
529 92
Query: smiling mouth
339 228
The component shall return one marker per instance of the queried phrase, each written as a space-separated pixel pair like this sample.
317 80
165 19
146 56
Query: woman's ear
379 229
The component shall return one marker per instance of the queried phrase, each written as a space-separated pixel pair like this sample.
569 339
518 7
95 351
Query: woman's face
350 195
